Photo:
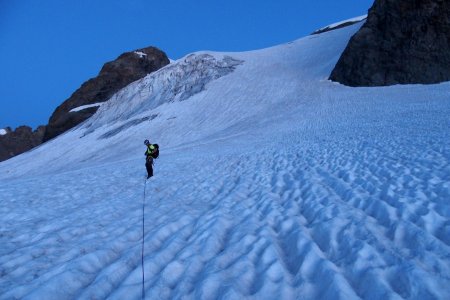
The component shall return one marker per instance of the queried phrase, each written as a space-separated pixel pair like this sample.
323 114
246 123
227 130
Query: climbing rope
143 235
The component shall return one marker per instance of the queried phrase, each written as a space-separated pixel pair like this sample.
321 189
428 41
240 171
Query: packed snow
3 132
272 183
86 106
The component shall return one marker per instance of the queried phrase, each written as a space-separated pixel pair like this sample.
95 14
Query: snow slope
272 182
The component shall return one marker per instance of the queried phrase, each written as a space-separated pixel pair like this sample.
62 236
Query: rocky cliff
20 140
114 76
402 42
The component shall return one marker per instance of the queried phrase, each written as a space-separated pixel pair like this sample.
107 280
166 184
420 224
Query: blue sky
49 48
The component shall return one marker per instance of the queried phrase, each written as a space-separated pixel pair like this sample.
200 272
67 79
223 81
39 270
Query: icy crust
176 82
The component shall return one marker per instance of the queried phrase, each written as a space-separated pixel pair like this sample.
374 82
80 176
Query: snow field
341 219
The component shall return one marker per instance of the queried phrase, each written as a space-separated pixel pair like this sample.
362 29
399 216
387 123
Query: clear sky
48 48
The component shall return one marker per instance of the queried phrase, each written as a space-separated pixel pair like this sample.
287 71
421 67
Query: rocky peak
22 139
402 42
113 76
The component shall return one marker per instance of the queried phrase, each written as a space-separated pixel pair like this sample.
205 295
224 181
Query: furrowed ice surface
272 183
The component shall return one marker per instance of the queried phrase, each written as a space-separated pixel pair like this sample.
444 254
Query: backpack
155 153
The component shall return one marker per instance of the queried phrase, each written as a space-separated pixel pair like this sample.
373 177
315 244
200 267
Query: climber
151 153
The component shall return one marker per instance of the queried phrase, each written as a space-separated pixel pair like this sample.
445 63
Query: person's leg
149 167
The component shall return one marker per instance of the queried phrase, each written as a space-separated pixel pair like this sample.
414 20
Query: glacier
272 182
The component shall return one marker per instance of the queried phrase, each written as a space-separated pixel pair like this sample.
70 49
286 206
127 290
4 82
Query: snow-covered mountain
272 182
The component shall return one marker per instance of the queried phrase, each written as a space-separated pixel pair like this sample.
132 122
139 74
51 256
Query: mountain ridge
114 75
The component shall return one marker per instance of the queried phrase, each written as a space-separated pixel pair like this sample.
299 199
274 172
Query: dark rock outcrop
20 140
402 42
113 76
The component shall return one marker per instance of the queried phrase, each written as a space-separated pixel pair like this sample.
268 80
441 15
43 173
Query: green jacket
150 149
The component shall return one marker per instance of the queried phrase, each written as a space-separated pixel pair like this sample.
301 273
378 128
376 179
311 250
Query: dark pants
149 166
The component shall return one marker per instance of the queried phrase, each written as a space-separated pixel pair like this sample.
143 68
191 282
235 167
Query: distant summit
402 42
114 75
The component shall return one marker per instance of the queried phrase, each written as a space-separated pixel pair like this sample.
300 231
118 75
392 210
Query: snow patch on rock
140 54
352 20
340 24
85 106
